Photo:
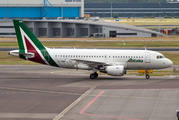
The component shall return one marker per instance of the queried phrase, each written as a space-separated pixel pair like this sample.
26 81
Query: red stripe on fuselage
31 49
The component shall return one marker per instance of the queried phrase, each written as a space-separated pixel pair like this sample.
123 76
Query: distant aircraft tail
29 46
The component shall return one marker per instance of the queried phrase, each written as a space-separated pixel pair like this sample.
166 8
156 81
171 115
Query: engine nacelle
115 70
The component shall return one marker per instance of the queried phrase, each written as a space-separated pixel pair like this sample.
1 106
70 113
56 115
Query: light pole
111 11
159 15
62 10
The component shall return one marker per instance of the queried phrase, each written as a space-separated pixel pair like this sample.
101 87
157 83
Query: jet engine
115 70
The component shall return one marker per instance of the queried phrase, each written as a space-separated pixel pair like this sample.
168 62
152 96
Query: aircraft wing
97 64
91 63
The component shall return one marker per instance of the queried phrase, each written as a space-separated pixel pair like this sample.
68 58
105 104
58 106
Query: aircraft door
147 57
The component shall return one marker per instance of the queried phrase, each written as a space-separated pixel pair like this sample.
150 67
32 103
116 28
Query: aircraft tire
147 76
96 75
92 76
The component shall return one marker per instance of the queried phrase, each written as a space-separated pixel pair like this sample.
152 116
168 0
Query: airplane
110 61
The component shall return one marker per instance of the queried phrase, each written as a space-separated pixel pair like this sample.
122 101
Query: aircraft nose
169 63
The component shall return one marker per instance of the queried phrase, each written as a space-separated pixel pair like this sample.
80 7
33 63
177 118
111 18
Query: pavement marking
74 103
65 93
92 101
41 91
28 115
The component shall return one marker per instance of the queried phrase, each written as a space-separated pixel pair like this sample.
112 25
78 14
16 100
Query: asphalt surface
37 92
153 49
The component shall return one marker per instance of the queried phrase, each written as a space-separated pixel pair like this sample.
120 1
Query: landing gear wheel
96 75
92 76
147 76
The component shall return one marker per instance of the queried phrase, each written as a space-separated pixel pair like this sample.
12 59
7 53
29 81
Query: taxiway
36 92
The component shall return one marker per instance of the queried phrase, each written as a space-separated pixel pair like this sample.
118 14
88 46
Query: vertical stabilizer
24 34
30 45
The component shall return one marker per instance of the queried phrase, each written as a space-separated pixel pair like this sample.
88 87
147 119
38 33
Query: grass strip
100 44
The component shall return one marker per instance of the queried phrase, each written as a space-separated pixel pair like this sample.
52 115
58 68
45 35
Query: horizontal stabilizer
17 53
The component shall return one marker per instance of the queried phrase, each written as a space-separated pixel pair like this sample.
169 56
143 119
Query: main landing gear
93 75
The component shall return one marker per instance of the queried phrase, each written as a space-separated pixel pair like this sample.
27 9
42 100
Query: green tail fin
23 31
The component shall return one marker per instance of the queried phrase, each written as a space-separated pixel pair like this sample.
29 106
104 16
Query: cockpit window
160 56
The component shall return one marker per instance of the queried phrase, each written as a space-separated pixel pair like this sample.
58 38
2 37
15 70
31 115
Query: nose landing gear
147 75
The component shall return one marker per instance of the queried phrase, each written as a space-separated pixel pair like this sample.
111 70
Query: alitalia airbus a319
112 62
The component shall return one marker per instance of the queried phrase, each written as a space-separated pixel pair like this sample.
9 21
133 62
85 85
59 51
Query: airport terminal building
32 13
132 9
37 9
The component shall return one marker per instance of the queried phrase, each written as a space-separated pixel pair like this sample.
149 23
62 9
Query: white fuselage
130 59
